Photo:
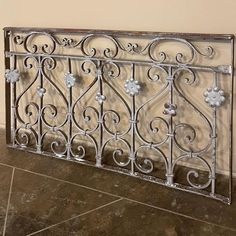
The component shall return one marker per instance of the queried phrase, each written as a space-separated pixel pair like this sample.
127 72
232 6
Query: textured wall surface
151 15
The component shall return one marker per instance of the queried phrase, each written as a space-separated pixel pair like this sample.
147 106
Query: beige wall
212 16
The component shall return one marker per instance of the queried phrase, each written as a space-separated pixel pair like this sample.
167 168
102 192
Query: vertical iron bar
133 116
8 109
132 134
214 142
13 102
40 129
100 117
169 174
69 114
213 160
231 118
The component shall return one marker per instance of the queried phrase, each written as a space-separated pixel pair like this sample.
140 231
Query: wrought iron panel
144 104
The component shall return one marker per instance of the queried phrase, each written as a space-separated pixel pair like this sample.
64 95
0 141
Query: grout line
74 217
8 202
180 214
115 195
62 180
100 207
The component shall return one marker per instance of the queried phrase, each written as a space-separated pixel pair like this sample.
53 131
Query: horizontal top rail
224 69
144 34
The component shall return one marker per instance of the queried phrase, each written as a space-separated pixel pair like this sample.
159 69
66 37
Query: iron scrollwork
172 141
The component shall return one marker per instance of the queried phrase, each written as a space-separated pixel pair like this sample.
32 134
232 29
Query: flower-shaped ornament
132 87
214 96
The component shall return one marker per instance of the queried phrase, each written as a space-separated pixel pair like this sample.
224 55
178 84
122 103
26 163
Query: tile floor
44 196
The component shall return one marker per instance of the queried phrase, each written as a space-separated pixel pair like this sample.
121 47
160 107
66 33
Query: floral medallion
214 96
69 79
132 87
12 75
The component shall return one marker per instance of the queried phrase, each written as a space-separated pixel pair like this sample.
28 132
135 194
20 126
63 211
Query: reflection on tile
37 202
131 219
185 203
5 180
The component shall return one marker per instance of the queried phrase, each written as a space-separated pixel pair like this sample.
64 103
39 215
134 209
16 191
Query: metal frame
106 64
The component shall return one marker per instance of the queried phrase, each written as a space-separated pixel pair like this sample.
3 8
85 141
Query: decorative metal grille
141 103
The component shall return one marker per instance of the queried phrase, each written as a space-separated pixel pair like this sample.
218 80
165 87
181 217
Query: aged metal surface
119 59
